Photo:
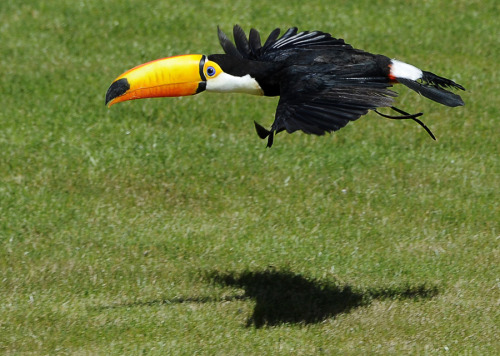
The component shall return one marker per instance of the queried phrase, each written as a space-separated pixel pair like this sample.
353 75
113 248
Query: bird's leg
405 116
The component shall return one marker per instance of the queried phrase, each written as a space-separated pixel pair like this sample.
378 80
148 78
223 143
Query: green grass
166 226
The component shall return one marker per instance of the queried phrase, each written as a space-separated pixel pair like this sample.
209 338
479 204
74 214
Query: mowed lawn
165 226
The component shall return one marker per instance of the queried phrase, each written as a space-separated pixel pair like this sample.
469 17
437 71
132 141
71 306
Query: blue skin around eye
210 71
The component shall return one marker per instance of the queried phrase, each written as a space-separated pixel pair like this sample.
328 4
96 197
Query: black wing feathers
289 33
227 45
323 103
330 109
255 43
273 36
242 44
252 49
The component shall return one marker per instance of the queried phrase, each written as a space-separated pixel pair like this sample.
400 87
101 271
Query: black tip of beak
116 89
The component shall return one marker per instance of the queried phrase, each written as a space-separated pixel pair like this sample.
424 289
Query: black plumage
323 82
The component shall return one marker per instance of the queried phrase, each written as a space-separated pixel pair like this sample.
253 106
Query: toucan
323 82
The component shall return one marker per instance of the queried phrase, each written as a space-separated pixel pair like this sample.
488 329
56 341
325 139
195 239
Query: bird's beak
172 76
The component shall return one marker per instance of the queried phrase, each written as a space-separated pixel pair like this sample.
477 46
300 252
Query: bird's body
323 83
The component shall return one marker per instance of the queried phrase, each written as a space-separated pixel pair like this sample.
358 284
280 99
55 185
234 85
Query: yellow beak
167 77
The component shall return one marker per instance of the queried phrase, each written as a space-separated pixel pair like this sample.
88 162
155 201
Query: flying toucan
323 82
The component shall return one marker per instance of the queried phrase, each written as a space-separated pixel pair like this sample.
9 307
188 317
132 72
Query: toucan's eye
211 71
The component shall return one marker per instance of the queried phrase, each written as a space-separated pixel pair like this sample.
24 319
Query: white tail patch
404 70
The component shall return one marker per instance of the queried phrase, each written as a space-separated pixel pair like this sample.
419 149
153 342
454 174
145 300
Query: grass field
166 226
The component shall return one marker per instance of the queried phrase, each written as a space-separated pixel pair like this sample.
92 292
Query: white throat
227 83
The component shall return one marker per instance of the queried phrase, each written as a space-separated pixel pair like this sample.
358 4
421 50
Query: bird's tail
427 84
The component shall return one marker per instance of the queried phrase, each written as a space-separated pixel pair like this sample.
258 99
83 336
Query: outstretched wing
253 49
330 110
319 104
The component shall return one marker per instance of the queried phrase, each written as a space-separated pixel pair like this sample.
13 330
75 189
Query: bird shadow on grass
284 297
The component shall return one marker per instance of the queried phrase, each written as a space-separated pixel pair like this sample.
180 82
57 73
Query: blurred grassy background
156 226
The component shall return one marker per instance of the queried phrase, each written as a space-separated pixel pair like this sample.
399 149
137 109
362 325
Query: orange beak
167 77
